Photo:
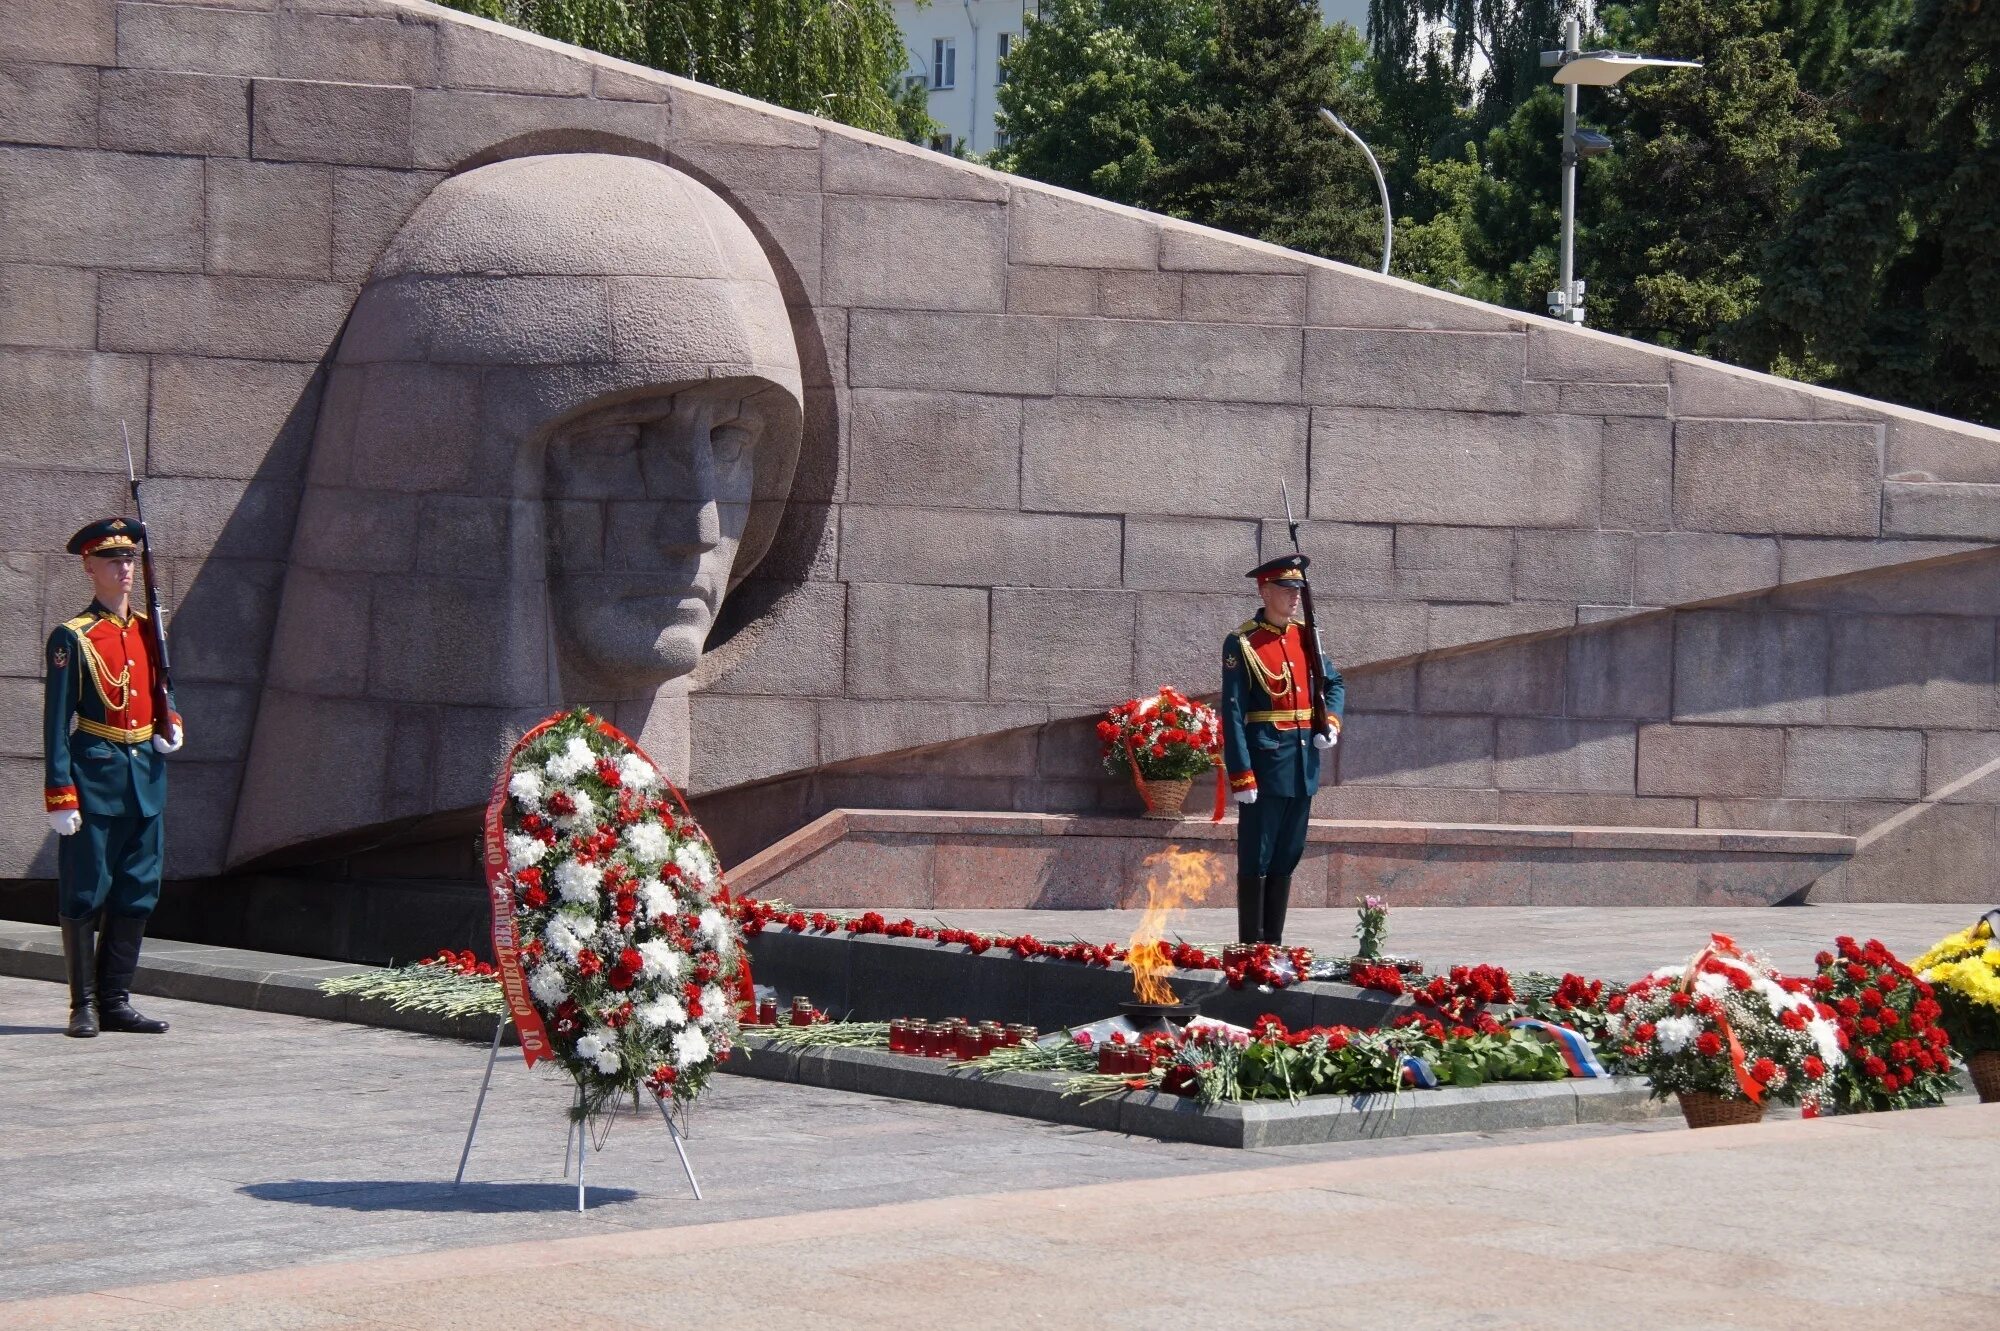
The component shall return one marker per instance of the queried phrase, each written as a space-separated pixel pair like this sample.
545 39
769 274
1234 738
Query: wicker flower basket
1984 1064
1164 798
1705 1109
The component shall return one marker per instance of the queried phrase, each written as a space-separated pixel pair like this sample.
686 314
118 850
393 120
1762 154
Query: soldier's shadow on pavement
432 1197
31 1030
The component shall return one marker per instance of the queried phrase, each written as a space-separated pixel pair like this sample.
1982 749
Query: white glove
1326 741
168 742
65 822
1245 796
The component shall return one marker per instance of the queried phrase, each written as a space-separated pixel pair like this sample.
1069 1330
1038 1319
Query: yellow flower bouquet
1964 969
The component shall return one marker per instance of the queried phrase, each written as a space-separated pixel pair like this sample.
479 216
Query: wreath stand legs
576 1129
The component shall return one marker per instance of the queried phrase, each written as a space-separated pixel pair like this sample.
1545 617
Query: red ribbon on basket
1722 945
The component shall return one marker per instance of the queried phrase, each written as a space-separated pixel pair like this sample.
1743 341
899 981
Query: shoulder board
80 623
1249 626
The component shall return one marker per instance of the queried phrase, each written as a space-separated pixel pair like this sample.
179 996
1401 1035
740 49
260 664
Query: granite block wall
1573 578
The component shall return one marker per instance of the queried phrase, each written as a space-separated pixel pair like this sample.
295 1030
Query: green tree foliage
841 59
1205 109
1248 151
1089 87
1703 174
1888 279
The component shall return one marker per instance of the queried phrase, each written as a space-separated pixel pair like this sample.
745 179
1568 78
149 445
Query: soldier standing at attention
1269 746
106 782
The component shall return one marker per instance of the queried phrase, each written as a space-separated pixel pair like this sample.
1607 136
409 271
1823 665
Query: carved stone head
559 428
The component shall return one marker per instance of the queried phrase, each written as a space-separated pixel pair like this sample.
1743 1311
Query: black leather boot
1277 896
1249 906
117 963
80 960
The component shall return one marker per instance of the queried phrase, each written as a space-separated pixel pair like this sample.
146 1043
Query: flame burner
1147 1018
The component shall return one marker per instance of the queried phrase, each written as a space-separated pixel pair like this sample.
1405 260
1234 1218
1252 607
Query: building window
944 63
1006 48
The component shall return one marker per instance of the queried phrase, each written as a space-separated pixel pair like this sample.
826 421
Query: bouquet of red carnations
1898 1056
1165 737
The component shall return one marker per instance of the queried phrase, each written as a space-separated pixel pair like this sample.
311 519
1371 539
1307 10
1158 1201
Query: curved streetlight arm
1388 223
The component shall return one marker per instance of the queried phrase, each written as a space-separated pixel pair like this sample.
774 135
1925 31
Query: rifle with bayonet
156 629
1316 659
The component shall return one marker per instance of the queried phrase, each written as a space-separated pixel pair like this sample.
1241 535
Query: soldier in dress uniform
1269 747
106 782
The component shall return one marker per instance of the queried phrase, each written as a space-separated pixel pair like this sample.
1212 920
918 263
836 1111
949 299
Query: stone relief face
647 503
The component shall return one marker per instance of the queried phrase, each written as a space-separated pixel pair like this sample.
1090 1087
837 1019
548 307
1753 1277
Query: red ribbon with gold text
535 1044
1722 945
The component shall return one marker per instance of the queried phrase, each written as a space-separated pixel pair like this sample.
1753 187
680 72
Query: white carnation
1715 986
661 961
713 1002
663 1012
527 788
1827 1040
657 899
546 983
601 1048
584 815
694 861
580 883
648 842
715 929
690 1047
524 851
636 773
561 933
573 761
1674 1033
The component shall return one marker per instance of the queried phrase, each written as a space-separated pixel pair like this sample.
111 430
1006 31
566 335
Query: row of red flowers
1259 966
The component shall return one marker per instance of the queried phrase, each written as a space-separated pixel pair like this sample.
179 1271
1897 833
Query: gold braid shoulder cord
1275 686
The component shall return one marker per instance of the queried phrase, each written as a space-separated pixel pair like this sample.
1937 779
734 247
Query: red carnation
1762 1071
588 963
1814 1068
535 897
1708 1044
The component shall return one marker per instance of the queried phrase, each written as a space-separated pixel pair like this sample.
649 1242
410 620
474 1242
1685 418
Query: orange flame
1174 878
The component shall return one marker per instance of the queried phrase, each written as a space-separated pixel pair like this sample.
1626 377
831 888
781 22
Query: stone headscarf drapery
569 300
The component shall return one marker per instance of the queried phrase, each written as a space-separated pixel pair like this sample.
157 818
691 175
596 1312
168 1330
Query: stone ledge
1249 1126
922 859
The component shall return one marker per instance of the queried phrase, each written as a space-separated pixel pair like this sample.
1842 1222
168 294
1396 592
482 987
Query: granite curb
269 982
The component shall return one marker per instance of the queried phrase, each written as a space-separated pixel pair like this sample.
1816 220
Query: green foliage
1703 174
841 59
1890 272
1089 87
1248 152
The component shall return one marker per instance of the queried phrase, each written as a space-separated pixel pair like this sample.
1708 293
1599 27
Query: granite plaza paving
252 1169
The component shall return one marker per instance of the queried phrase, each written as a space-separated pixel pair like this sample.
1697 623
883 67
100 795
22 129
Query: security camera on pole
1599 69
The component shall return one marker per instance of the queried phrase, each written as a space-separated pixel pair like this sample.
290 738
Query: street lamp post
1599 69
1388 224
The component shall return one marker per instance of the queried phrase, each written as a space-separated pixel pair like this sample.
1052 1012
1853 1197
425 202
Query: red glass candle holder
767 1012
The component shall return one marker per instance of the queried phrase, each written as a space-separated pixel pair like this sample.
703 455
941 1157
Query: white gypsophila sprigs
524 852
635 773
527 788
547 985
648 842
571 761
690 1047
579 883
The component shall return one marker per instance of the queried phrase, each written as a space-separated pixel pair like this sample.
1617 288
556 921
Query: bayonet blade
131 473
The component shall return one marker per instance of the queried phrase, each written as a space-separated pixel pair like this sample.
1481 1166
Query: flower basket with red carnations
1165 741
1898 1056
1727 1035
1964 972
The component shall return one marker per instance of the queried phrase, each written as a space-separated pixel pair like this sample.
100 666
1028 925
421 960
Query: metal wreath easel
577 1130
